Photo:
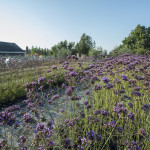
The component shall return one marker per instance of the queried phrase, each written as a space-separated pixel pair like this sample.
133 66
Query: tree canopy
138 41
63 47
85 44
139 38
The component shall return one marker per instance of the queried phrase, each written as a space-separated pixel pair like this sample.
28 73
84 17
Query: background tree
63 48
85 44
96 52
40 51
139 38
119 50
138 41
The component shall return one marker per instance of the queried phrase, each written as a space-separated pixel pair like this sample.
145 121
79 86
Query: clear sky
44 23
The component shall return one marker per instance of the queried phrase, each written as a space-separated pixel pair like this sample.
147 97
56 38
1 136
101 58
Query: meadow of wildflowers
20 70
103 107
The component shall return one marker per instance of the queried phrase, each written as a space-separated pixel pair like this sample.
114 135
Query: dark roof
6 47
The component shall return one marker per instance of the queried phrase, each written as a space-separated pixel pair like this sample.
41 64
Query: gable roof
6 47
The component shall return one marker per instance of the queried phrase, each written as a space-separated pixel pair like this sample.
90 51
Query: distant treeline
86 46
138 41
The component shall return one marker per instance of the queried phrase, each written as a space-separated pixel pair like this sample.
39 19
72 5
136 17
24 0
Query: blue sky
44 23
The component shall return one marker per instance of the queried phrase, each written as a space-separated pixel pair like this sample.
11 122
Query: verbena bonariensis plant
105 107
20 70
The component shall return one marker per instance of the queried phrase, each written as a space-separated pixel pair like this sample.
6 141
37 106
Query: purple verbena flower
84 141
142 131
131 116
40 80
86 102
67 143
124 77
104 113
87 92
98 137
105 80
90 135
97 87
54 97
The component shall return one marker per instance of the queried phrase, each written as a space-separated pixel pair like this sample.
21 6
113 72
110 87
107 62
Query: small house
10 49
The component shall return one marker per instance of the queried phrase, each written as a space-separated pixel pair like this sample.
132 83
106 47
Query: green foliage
139 51
138 41
85 44
62 49
63 53
40 51
119 50
139 38
96 52
11 94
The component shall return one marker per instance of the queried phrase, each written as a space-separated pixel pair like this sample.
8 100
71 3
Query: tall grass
105 107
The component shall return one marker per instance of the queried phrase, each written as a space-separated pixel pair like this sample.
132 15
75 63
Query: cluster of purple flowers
86 102
108 86
146 83
30 105
132 81
94 78
67 143
104 112
75 57
91 135
135 93
73 98
50 143
54 67
96 112
54 97
92 66
131 116
110 124
146 107
6 117
63 85
36 111
12 108
41 128
87 92
40 80
84 141
71 123
29 86
48 71
133 145
71 69
136 88
105 80
69 90
130 105
73 74
139 77
120 109
116 80
142 131
97 87
124 77
22 140
66 66
88 106
27 118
